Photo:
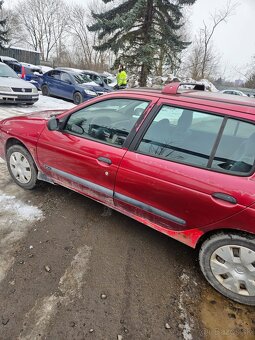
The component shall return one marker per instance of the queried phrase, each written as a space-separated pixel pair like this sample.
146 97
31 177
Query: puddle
226 320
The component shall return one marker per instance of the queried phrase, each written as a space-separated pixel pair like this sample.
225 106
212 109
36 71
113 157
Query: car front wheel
77 98
227 261
21 167
45 90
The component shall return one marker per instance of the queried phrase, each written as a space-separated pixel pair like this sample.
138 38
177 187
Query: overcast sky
234 40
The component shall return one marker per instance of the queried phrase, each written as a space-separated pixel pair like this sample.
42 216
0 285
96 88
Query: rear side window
201 139
236 150
181 135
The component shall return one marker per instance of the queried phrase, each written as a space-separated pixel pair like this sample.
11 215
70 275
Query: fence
23 55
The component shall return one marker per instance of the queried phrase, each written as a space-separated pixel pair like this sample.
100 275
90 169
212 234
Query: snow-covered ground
44 103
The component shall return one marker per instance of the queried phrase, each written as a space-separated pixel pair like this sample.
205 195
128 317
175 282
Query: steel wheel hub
234 267
20 167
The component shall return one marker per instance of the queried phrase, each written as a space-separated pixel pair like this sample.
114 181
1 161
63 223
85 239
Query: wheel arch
210 233
14 141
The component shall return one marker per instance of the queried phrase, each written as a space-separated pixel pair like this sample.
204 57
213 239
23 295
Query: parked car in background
179 161
109 79
25 71
234 92
93 78
67 84
14 90
99 80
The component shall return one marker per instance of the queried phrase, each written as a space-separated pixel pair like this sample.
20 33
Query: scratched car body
179 161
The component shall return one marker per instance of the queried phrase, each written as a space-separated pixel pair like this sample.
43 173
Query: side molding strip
82 181
149 208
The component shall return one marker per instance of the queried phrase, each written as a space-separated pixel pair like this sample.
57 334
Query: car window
6 71
109 121
236 152
97 79
181 135
65 77
54 74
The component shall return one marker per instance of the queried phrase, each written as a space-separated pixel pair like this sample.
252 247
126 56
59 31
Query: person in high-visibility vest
121 78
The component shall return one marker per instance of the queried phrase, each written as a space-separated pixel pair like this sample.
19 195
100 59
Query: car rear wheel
77 98
21 167
228 264
45 90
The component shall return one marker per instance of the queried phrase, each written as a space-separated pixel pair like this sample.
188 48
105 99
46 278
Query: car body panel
173 198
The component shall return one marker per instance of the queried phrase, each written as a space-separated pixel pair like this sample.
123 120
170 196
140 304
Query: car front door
185 171
86 153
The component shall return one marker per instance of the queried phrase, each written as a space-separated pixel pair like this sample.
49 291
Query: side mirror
53 124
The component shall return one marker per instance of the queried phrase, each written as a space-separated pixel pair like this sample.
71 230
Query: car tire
21 167
45 90
227 261
77 98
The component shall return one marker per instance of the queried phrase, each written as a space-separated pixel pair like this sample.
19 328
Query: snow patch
19 210
44 103
15 219
187 322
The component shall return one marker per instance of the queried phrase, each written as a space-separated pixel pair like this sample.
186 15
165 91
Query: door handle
105 160
224 197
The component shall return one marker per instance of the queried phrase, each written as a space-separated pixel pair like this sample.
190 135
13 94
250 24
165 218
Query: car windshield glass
6 71
81 78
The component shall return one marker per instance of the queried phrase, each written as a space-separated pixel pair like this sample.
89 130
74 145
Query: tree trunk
143 76
148 20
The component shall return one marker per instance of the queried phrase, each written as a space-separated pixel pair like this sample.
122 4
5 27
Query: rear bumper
18 98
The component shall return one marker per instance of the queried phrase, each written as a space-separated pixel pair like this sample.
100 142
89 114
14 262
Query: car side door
51 79
179 173
66 85
84 155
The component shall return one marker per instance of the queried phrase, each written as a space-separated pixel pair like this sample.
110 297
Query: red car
179 161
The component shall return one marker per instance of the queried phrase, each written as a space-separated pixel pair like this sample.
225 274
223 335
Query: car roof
91 72
3 57
209 99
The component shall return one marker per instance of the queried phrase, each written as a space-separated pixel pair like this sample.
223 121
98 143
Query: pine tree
138 29
3 30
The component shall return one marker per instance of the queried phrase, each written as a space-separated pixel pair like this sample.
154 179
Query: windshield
6 71
81 78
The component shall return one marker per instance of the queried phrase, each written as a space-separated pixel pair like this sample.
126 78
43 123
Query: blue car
68 85
98 83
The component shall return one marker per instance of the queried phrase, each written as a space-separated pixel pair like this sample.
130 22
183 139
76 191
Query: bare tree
203 61
45 22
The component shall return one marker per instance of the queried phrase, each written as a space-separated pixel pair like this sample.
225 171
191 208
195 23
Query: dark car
179 161
67 84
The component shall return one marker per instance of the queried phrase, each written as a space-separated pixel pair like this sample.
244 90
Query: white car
234 92
14 90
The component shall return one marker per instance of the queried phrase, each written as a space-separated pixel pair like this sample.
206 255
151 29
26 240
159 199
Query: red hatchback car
179 161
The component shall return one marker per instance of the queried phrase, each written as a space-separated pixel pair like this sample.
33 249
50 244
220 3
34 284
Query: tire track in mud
39 317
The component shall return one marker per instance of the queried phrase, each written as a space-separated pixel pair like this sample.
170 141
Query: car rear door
177 173
86 153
